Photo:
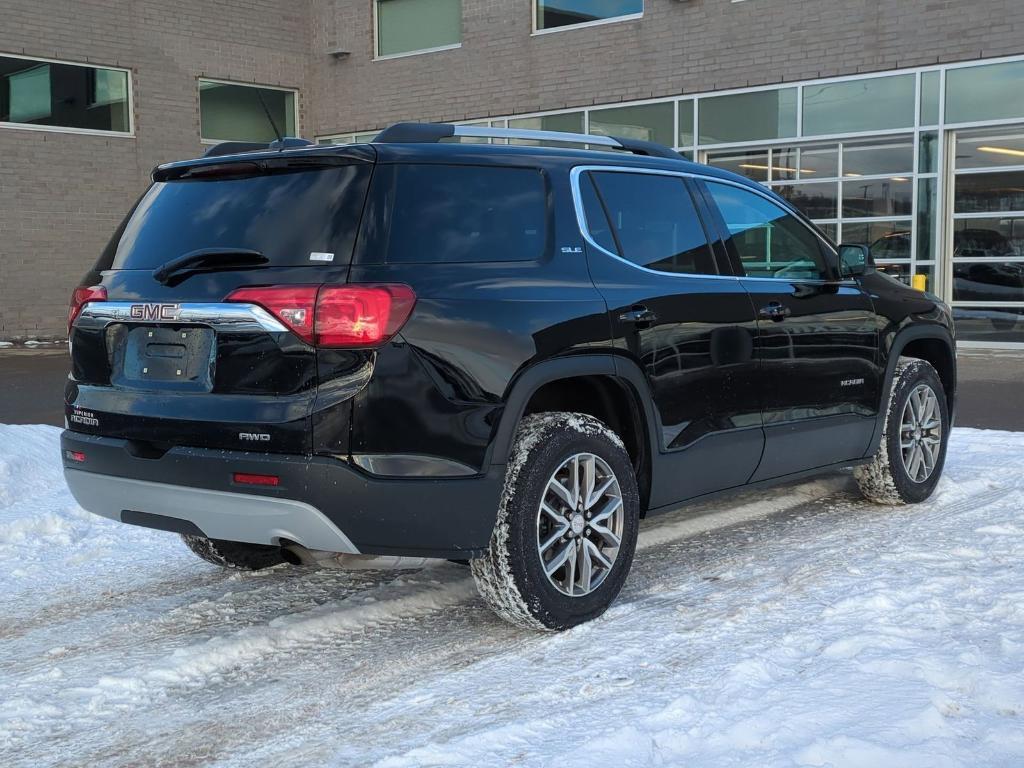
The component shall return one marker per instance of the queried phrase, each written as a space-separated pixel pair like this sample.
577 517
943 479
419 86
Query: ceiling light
1002 151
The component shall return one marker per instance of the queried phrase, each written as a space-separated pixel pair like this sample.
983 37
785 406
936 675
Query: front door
689 327
817 336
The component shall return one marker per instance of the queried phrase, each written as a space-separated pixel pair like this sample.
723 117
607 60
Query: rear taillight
353 316
82 296
293 305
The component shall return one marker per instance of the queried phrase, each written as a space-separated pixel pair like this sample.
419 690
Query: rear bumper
320 503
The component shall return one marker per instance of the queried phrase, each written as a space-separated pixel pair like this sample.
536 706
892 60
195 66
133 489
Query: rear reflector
81 296
247 479
75 456
338 316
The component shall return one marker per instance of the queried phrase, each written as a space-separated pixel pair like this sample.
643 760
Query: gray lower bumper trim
219 514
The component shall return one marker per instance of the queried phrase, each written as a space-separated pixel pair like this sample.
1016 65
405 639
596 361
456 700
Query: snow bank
795 626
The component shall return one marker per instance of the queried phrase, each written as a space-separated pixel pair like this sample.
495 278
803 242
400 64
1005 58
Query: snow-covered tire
886 480
234 554
512 577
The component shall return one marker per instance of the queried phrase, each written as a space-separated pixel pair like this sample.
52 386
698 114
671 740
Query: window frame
536 30
703 208
378 56
130 107
199 104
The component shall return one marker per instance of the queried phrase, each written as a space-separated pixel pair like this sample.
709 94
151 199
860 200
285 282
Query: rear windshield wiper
209 260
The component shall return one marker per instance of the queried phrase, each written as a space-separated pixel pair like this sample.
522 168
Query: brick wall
61 195
676 48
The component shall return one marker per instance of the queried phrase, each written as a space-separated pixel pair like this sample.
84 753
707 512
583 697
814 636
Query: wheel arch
932 343
598 385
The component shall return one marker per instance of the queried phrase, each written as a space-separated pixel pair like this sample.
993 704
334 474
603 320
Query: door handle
775 311
638 315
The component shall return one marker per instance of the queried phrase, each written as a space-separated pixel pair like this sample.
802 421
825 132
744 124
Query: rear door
689 327
817 336
171 358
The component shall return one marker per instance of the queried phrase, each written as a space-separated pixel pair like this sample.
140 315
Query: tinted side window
461 213
769 241
654 222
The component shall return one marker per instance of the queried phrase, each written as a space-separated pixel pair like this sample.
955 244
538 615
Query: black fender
532 378
899 343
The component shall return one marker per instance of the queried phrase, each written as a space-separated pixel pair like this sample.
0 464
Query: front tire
912 453
567 524
234 554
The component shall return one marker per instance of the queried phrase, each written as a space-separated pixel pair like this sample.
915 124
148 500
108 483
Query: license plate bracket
163 357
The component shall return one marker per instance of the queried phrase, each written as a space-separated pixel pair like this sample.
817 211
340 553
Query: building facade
894 123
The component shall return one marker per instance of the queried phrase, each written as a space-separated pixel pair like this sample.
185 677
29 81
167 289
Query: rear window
293 217
459 213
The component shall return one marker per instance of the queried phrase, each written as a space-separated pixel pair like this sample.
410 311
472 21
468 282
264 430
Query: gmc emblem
155 311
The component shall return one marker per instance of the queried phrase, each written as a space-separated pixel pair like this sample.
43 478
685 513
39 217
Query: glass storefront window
876 159
685 123
888 239
930 97
552 14
233 112
928 152
413 26
990 151
649 122
992 324
989 192
926 215
753 165
988 281
41 93
815 201
878 197
995 238
873 104
748 116
988 92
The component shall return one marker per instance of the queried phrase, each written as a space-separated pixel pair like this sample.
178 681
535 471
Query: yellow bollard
920 282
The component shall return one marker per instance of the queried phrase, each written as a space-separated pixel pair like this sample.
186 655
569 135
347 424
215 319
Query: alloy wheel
579 524
921 433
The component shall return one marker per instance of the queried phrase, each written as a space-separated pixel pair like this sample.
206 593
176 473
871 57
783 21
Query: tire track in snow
222 657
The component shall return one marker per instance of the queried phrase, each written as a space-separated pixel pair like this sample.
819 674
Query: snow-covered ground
798 626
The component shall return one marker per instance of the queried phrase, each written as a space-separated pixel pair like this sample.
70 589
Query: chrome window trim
581 221
226 316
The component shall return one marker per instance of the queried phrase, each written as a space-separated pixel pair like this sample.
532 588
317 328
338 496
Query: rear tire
234 554
909 461
567 524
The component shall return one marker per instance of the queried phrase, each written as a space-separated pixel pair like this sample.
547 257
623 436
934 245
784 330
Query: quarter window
650 219
454 213
417 26
233 112
769 241
552 14
46 93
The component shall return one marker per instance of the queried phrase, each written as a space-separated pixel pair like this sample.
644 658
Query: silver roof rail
480 132
426 133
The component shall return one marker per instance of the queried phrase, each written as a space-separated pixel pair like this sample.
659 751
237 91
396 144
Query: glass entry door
987 238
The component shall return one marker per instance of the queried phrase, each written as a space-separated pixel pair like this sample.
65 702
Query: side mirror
855 260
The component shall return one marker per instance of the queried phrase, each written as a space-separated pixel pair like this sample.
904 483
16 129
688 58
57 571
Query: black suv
503 354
